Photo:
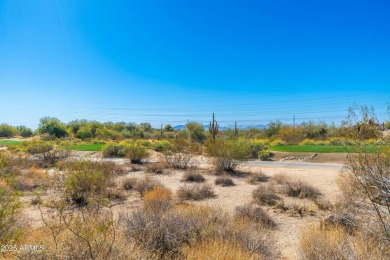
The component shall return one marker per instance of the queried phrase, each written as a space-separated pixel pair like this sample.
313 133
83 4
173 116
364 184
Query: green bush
84 181
256 147
111 150
7 130
227 155
264 155
161 146
9 205
45 152
136 153
52 126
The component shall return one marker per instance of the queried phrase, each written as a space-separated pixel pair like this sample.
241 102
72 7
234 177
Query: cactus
213 128
235 131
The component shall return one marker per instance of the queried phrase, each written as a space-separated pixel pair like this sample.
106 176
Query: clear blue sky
172 61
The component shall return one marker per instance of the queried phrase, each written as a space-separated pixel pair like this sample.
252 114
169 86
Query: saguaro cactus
235 131
213 128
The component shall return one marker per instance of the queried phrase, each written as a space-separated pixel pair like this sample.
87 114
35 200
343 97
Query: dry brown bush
157 200
224 181
300 189
178 160
156 167
336 243
195 192
265 194
193 176
256 214
256 178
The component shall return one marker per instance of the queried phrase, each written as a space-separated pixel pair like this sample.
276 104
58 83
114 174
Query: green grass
9 142
317 148
86 147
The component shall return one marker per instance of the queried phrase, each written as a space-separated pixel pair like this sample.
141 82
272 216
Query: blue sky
174 61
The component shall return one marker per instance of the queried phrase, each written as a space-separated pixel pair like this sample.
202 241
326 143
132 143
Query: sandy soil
228 198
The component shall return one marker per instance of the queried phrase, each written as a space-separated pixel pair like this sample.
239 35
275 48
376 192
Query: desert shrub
156 167
106 167
365 188
227 155
323 204
256 214
224 181
30 179
218 249
300 189
111 150
165 234
145 184
136 153
157 200
161 146
83 183
264 155
280 178
265 195
45 152
178 160
129 183
256 147
308 141
256 178
192 176
9 206
195 192
335 243
277 142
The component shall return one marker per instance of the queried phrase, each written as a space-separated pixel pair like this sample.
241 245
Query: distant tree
75 125
168 128
196 131
147 127
7 130
52 126
24 131
273 128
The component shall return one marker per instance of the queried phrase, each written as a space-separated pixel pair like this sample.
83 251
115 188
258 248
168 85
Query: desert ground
320 172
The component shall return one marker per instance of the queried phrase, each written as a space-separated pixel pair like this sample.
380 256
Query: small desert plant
300 189
192 176
145 184
156 167
157 200
224 181
114 150
137 153
129 183
280 178
265 195
195 192
31 179
323 204
256 214
218 249
177 160
256 178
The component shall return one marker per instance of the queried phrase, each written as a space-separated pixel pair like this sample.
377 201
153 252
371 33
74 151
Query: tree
196 131
52 126
273 128
147 127
168 128
24 131
7 130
